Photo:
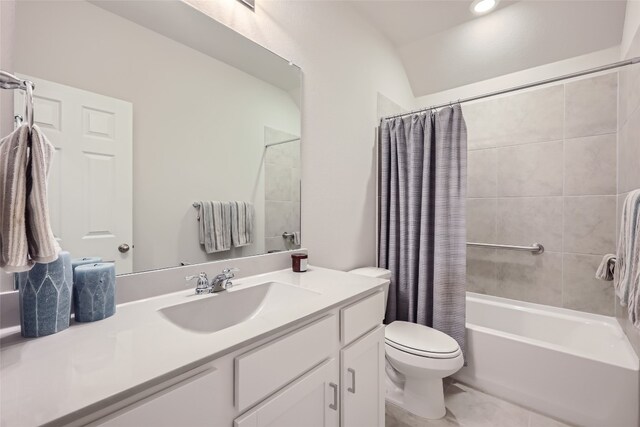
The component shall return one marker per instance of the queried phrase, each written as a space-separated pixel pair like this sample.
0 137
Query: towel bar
535 249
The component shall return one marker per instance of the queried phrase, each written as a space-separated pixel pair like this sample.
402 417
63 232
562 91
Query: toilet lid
422 339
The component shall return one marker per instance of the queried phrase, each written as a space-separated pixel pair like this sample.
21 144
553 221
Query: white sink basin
214 312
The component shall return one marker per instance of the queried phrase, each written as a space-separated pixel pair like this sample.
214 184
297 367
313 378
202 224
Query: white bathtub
573 366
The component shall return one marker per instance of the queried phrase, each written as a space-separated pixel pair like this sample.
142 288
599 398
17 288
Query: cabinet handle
334 405
352 389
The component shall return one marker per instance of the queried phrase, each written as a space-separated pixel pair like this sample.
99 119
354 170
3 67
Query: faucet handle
230 271
203 282
199 276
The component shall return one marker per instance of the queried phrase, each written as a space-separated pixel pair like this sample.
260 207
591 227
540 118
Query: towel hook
29 103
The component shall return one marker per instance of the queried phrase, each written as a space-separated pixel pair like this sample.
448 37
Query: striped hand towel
628 248
43 246
242 214
14 248
215 226
25 232
632 267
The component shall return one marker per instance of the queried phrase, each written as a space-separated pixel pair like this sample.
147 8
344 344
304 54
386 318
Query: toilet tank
378 273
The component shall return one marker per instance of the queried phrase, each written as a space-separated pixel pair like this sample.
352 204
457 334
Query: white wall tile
481 220
534 116
589 224
590 165
629 92
533 278
530 170
279 216
591 106
582 291
629 154
482 173
556 190
278 183
482 270
527 220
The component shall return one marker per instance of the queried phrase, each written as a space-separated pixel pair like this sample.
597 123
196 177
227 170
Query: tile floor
467 407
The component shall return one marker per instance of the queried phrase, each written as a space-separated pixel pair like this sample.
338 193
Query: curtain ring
29 103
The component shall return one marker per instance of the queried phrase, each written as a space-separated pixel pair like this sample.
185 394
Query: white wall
345 63
530 75
6 97
631 23
7 11
517 37
198 123
629 137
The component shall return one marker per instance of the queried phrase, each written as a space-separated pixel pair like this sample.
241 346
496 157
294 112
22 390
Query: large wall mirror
154 108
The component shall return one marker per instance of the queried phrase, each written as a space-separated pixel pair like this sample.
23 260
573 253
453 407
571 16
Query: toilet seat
420 340
422 353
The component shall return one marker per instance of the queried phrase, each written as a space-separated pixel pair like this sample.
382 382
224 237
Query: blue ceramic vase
45 297
94 291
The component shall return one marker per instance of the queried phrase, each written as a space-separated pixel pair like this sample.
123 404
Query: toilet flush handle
352 389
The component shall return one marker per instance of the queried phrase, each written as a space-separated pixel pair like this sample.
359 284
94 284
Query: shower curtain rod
281 142
525 86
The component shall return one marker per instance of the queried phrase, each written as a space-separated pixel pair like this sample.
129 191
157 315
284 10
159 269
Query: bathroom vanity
275 349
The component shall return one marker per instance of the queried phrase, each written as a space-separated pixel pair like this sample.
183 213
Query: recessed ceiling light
480 7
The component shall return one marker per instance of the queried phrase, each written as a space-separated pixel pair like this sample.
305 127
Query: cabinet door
363 381
186 404
311 401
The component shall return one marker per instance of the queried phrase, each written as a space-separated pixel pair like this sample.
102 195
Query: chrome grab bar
535 249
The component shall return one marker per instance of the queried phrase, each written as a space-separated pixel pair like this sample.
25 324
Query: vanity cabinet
187 401
311 401
362 381
328 372
266 369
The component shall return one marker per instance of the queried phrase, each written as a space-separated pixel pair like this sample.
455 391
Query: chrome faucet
219 283
223 280
202 286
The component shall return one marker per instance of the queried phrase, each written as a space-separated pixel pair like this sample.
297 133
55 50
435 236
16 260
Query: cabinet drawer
360 317
311 401
178 402
265 369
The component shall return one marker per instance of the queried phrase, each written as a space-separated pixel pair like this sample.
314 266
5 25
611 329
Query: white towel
43 246
25 230
628 248
633 266
215 226
634 295
242 223
606 268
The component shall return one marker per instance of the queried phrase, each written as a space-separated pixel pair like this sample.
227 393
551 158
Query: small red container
299 262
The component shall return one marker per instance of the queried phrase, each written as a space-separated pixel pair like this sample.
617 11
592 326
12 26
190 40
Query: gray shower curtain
422 230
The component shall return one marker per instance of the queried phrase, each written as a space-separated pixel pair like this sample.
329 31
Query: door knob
124 248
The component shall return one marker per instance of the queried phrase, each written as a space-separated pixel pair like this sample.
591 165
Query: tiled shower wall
282 190
542 168
628 162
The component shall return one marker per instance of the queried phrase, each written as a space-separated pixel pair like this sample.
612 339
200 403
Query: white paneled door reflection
90 182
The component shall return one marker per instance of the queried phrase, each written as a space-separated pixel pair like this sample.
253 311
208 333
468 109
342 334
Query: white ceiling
404 21
443 45
209 37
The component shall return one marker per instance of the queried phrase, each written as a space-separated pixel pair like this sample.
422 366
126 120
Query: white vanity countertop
44 379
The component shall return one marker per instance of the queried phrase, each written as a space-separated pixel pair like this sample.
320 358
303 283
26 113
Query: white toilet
418 358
